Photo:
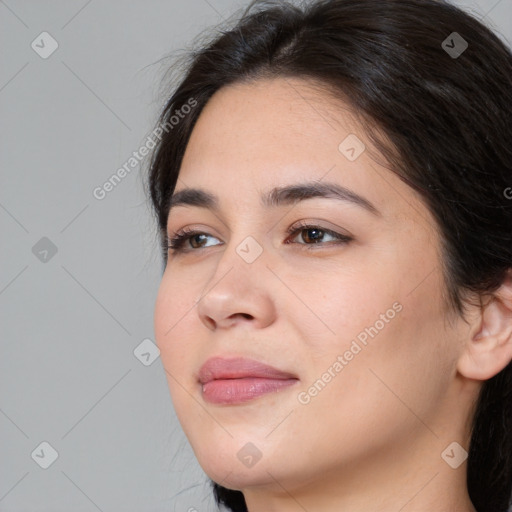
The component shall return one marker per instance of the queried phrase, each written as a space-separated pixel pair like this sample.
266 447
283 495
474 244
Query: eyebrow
278 196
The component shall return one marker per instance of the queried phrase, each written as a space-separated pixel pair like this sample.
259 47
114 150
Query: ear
489 345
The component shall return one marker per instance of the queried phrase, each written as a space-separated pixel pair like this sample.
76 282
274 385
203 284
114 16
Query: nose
238 293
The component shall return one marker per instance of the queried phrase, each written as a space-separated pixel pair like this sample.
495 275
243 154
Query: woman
332 186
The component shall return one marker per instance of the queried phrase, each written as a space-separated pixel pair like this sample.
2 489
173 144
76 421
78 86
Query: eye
314 235
194 237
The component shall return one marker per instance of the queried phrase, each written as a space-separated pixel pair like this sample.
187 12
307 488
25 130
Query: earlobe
489 345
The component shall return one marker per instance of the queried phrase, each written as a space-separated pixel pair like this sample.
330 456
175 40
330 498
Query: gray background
71 321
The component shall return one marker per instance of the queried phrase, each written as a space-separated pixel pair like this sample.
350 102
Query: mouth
239 380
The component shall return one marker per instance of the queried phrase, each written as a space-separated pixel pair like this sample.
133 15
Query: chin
233 475
237 467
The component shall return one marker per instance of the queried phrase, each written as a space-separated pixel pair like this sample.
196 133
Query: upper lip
237 368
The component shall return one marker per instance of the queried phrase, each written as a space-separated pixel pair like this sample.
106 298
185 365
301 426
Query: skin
372 438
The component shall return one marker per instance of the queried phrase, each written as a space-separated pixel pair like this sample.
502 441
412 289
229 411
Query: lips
237 380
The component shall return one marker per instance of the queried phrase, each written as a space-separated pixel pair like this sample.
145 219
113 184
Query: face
342 294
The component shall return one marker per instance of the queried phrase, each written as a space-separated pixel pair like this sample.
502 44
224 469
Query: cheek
172 315
389 333
342 306
173 311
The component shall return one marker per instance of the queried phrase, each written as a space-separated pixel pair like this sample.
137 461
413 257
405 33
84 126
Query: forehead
272 115
269 131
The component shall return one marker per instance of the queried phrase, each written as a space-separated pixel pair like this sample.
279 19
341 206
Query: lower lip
233 391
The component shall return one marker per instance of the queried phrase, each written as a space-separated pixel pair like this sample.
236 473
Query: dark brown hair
446 113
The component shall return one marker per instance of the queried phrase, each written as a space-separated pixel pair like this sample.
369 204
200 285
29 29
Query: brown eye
315 236
312 234
194 238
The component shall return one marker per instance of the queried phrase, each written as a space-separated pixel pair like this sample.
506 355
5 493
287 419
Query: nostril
237 316
211 323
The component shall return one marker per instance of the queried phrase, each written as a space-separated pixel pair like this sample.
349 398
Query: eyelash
176 242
